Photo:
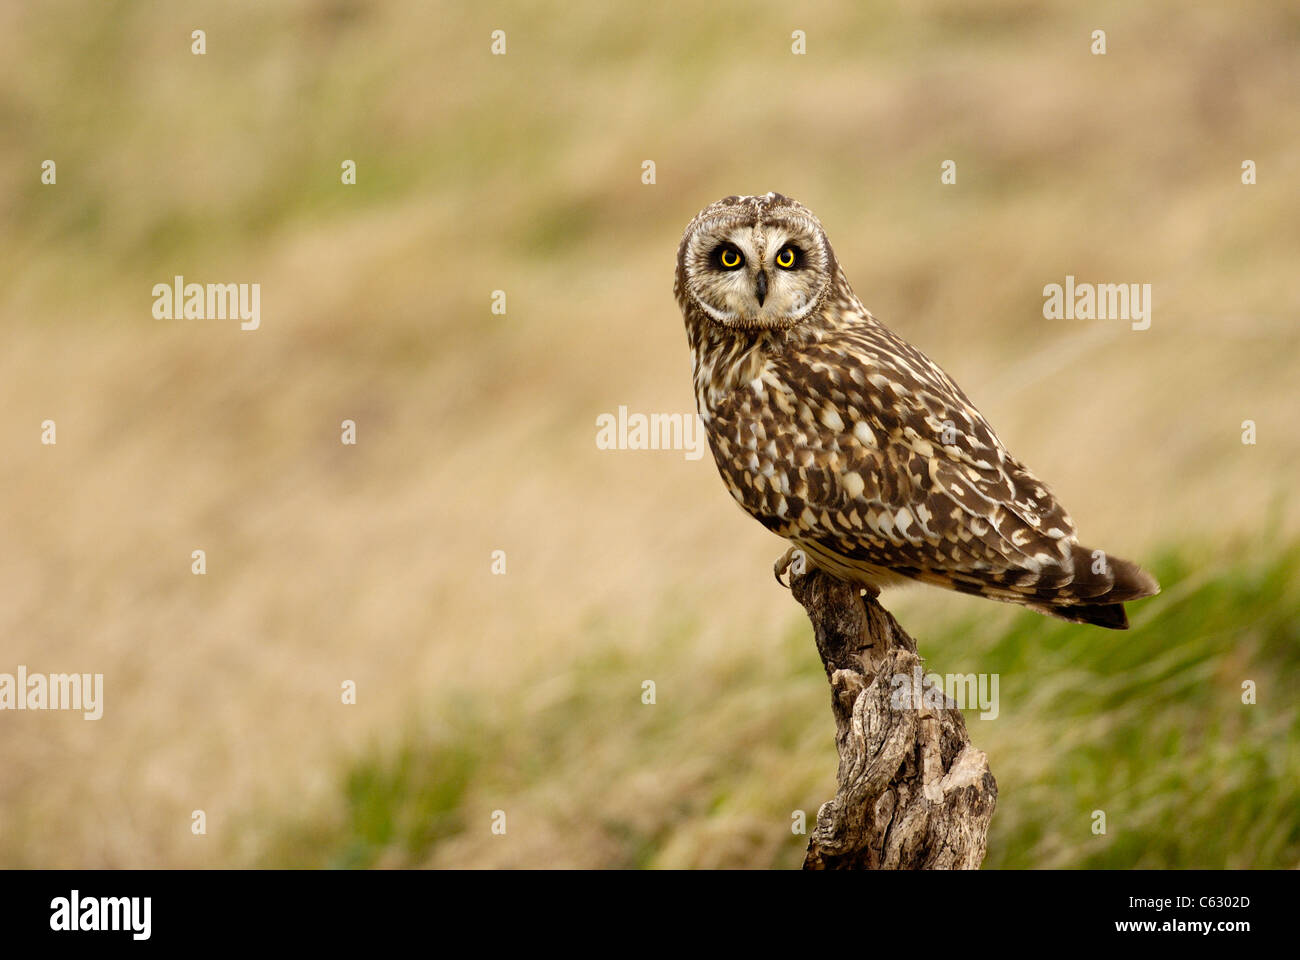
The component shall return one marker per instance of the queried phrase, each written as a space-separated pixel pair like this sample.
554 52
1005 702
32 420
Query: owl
838 435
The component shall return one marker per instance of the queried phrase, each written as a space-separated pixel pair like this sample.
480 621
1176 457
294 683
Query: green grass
1147 726
1150 726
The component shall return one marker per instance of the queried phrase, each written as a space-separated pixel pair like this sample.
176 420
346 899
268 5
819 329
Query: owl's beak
760 290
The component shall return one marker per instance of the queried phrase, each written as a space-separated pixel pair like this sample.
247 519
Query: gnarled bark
914 794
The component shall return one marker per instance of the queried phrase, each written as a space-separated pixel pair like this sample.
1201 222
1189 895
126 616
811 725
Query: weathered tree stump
914 794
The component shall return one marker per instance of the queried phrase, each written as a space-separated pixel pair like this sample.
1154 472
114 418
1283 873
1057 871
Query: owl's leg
793 560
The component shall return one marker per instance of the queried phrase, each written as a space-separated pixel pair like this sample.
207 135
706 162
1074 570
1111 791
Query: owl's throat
725 359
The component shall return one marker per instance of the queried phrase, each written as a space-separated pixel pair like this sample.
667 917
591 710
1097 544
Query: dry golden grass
522 173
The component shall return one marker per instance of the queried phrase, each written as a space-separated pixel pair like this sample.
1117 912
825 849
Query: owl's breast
751 419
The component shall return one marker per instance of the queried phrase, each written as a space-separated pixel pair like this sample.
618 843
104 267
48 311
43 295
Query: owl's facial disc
767 275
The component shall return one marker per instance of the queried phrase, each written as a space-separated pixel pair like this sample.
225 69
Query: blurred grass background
476 432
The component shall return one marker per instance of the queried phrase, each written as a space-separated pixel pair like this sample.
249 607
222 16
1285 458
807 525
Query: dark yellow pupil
730 258
785 258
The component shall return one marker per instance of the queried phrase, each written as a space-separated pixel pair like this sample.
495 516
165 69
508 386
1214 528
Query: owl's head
754 263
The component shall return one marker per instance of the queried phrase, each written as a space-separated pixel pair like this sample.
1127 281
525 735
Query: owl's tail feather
1102 579
1101 586
1108 615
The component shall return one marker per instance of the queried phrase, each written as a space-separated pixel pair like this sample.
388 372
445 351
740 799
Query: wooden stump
914 794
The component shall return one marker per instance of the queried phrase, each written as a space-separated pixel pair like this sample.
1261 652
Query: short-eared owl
836 434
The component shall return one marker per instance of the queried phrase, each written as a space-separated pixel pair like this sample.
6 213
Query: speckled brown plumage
838 435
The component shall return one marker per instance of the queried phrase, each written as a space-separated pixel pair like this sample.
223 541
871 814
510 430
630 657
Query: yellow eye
785 258
730 258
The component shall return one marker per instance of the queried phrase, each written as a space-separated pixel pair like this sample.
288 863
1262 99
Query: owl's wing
866 451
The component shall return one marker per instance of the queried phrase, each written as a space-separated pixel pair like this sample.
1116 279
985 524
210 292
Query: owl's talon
793 557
